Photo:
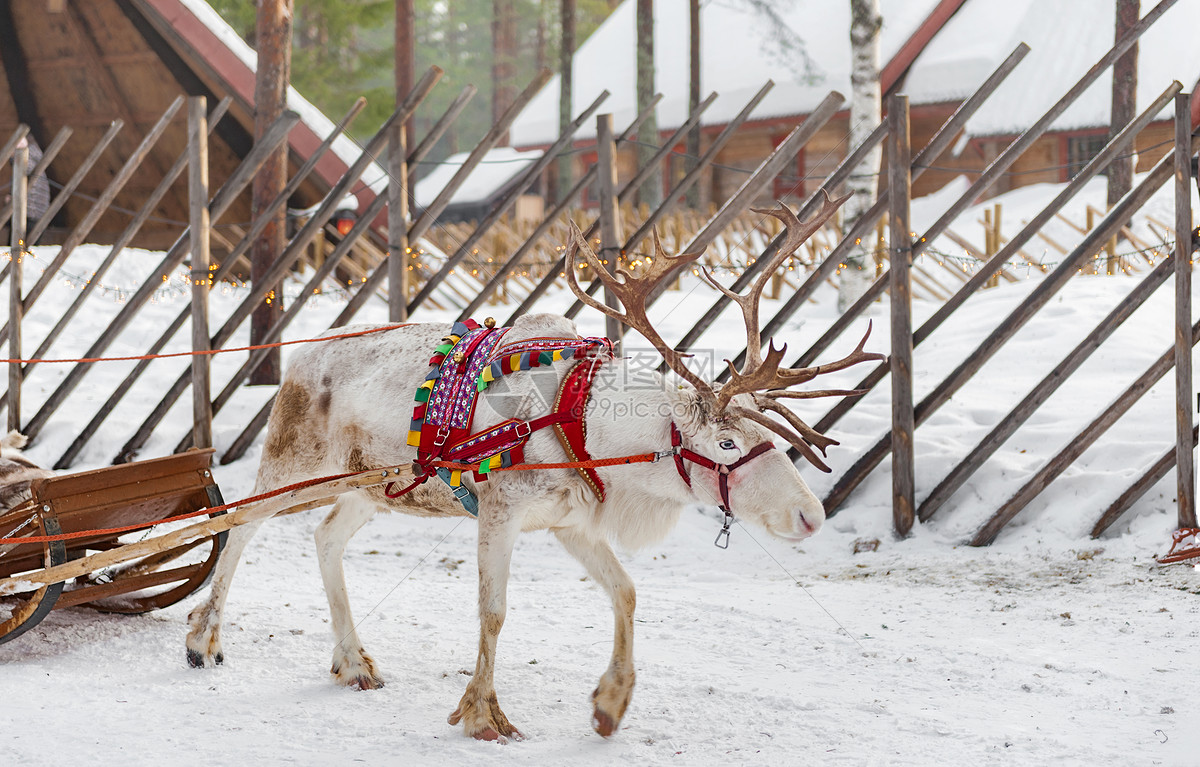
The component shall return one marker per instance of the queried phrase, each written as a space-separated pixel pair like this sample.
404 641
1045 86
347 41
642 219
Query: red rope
628 459
213 351
178 517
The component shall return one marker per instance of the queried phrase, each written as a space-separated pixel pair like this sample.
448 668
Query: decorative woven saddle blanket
462 366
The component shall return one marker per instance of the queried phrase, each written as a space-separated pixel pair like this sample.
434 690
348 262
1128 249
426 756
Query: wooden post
900 243
1184 399
273 36
398 260
566 81
610 214
20 193
198 222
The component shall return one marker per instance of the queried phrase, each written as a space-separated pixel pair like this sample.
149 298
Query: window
1081 149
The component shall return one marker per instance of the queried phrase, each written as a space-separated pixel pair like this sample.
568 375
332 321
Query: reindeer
341 407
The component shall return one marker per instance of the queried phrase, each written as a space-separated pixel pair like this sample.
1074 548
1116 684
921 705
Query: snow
1066 37
498 167
739 53
1046 648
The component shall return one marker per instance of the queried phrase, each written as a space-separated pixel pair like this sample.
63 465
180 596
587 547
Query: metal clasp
442 435
528 429
661 454
722 541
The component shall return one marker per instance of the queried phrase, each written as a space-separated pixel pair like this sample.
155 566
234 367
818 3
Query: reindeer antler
763 378
632 292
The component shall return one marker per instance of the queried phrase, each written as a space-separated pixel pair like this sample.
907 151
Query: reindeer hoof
484 722
356 670
196 660
602 723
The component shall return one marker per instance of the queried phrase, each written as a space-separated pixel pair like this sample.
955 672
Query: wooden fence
445 270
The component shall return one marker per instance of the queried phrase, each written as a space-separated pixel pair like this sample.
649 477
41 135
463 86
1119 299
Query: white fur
346 405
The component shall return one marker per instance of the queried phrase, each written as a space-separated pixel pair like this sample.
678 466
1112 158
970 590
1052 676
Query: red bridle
723 470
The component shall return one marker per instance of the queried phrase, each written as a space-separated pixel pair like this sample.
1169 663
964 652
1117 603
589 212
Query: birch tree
865 116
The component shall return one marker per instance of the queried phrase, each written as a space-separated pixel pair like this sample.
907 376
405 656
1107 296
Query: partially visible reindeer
343 406
16 471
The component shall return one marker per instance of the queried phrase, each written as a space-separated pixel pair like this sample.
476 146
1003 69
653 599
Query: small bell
490 322
459 357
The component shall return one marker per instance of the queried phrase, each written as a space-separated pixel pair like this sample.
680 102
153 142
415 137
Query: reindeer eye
728 444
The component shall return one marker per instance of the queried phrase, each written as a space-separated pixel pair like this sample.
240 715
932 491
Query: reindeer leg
204 638
612 694
351 664
479 710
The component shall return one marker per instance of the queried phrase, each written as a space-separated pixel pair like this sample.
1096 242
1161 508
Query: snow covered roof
235 62
497 169
804 47
1066 37
742 48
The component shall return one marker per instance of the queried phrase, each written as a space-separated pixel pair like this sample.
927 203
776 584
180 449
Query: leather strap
723 469
569 406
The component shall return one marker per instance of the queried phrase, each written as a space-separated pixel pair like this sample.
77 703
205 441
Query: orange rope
589 464
214 351
628 459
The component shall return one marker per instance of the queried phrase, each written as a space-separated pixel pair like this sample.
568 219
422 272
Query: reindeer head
731 423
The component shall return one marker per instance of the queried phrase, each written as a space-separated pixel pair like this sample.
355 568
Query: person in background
38 200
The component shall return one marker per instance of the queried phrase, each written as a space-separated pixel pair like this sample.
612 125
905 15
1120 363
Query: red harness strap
723 469
569 408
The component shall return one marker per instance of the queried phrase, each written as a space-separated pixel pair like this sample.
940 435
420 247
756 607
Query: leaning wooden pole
941 141
277 270
1185 461
1016 319
221 201
198 222
1078 444
16 257
901 359
139 219
1031 228
565 200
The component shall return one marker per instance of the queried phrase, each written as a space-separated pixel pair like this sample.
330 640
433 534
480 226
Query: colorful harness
469 359
462 366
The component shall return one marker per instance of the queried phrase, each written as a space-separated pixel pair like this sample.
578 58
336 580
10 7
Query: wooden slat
135 225
940 142
1185 461
1061 373
198 222
174 257
1078 444
1051 285
900 285
1016 319
279 268
1149 479
16 258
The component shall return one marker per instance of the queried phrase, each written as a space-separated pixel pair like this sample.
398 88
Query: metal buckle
661 454
722 541
460 492
528 429
442 435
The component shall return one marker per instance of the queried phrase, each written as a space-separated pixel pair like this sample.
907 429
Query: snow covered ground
1046 648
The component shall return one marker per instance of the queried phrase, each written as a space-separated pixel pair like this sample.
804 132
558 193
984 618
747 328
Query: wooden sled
139 493
101 571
